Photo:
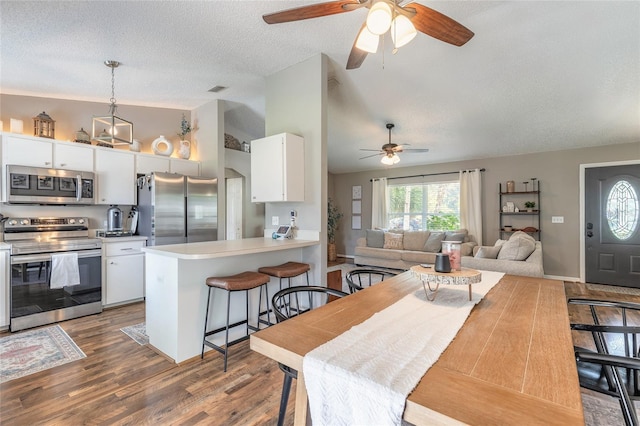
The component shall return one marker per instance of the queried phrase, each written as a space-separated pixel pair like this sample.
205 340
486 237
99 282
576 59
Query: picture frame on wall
356 207
356 192
356 222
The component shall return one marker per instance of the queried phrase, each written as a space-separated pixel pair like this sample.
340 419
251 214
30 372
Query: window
424 206
622 210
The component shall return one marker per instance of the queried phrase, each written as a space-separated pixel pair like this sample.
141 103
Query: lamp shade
390 160
402 31
367 41
379 18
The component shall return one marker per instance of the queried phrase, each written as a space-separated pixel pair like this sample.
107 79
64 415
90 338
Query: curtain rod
428 174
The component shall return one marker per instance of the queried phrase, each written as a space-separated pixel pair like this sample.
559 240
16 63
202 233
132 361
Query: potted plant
185 146
333 217
530 205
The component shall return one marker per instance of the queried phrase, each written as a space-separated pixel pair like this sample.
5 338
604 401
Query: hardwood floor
121 382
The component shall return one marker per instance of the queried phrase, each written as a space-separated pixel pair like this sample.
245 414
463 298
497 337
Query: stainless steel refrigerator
176 209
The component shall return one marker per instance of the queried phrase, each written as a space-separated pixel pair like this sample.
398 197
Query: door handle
589 225
589 234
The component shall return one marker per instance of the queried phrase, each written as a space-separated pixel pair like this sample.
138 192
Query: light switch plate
557 219
275 220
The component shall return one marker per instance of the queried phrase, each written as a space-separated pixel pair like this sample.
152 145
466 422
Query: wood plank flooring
122 383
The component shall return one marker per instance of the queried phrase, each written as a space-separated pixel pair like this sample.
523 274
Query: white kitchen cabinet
73 157
123 270
27 151
116 176
277 168
151 163
185 167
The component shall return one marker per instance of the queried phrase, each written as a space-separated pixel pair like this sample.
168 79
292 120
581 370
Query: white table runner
363 376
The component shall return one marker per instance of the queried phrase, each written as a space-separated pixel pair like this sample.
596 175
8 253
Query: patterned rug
137 332
31 351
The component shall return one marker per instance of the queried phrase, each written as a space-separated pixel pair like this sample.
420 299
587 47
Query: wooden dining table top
512 362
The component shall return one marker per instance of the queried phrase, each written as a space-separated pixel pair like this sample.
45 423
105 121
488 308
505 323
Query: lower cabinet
123 268
4 288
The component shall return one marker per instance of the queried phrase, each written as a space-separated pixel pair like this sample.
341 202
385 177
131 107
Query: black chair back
357 279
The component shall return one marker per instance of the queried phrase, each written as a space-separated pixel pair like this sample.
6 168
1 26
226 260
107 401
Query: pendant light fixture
111 129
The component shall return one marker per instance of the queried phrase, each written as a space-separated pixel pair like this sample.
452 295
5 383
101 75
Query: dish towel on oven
363 376
64 270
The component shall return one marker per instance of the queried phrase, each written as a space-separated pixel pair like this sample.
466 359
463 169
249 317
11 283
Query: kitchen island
176 293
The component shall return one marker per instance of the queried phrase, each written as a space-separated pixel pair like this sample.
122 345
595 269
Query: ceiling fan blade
416 150
369 156
437 25
311 11
357 56
372 150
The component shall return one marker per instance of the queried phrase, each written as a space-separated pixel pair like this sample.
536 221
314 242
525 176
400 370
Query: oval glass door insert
622 210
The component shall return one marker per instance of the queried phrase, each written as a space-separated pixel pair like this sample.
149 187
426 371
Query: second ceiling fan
389 151
384 15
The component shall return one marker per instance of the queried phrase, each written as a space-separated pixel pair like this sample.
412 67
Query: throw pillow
375 238
393 241
415 240
487 252
516 249
520 234
453 236
434 242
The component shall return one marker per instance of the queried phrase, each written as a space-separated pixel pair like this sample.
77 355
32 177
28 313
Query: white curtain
471 203
379 203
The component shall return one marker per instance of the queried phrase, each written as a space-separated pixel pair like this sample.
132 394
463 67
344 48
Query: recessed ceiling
537 76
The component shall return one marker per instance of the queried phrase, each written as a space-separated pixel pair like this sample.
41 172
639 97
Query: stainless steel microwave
33 185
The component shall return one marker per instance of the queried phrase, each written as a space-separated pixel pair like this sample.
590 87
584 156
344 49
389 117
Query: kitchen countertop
5 246
226 248
122 239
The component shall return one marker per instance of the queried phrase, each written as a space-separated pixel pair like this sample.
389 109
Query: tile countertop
226 248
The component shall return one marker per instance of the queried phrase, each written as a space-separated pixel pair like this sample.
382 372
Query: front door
612 222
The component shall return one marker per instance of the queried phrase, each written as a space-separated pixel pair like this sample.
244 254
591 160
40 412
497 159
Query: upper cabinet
26 151
185 167
115 171
277 168
146 163
73 157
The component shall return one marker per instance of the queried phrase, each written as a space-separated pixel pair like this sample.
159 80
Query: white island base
176 293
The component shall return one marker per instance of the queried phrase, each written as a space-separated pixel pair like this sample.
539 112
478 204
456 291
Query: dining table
512 361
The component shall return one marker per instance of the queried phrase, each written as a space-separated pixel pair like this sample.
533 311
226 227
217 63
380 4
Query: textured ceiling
537 76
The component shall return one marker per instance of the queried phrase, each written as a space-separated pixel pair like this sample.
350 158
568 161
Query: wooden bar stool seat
287 270
243 281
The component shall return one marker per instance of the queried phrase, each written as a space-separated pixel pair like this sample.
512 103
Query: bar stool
286 270
243 281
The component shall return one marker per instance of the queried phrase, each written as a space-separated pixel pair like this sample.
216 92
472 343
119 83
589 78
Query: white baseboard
559 278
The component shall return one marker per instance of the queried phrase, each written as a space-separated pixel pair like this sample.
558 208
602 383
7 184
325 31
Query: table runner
363 376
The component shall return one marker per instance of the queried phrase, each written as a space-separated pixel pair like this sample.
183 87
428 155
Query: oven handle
45 257
78 187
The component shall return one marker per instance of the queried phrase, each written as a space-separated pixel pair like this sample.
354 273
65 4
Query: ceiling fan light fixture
379 17
402 31
367 41
390 159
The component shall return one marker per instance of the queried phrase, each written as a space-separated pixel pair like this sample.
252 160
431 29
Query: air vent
217 89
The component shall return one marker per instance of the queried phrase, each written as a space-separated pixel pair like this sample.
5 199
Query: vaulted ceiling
537 75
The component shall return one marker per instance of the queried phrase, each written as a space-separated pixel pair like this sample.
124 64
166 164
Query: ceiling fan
389 151
384 15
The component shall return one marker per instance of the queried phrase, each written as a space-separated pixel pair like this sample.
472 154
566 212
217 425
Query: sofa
398 249
520 255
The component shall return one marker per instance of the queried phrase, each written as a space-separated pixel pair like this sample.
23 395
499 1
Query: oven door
34 302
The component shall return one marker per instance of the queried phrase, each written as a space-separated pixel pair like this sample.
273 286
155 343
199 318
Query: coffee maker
114 219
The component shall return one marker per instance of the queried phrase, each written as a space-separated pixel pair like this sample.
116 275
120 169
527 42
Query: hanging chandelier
111 129
385 16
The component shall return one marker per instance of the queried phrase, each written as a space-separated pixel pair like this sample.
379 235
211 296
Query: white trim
583 168
559 278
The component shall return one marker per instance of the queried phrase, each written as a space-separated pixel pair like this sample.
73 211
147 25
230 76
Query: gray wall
559 176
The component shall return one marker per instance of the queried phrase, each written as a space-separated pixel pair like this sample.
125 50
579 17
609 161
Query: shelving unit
521 219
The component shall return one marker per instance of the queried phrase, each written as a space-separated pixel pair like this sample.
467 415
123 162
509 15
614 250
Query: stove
56 270
112 234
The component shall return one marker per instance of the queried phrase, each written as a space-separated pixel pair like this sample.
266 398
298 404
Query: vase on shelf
161 146
135 146
185 150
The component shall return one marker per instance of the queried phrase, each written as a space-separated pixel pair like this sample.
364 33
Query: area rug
31 351
614 289
137 332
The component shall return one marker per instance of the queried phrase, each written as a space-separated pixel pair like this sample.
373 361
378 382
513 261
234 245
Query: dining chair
288 303
359 278
613 368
